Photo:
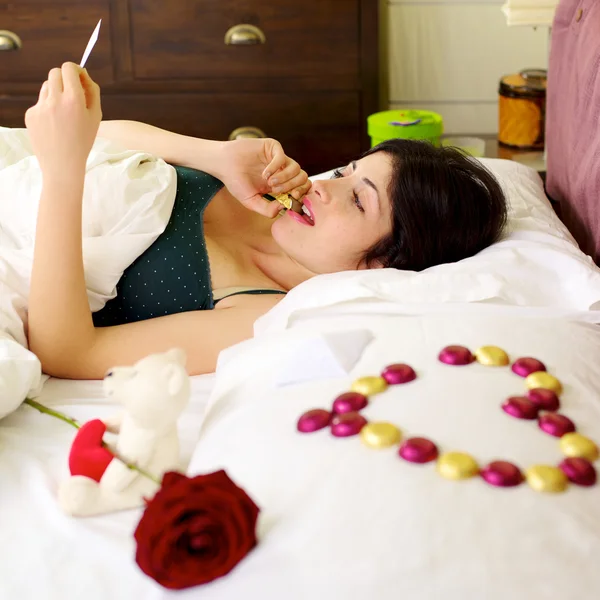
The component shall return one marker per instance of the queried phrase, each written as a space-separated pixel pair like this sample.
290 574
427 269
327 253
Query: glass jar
522 110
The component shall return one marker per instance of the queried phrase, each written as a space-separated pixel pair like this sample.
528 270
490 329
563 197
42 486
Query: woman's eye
336 175
358 204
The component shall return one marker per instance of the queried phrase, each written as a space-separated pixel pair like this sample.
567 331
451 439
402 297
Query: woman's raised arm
174 148
249 168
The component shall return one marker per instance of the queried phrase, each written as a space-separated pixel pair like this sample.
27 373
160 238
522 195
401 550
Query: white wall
449 55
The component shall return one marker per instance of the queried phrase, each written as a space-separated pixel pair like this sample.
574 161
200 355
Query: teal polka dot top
173 274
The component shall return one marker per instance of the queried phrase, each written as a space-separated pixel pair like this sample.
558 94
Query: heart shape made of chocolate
540 402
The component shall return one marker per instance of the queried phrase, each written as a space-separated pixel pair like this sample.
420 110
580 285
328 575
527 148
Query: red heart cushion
88 457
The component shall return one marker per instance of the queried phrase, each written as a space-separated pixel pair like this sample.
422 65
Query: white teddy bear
153 392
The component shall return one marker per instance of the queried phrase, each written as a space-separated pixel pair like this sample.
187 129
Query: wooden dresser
302 71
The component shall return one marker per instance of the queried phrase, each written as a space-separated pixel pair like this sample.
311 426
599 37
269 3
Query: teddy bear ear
177 355
176 379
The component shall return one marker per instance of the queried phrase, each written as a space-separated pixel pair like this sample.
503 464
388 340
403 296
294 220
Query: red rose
195 530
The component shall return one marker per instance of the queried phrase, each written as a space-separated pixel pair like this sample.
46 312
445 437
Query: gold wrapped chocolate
380 435
491 356
544 478
541 379
285 200
457 465
367 386
575 445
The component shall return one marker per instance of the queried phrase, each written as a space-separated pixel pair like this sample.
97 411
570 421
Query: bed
339 521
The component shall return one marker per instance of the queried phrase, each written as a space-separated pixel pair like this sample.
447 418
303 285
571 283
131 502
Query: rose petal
218 479
171 563
222 507
157 523
171 478
181 559
198 569
221 479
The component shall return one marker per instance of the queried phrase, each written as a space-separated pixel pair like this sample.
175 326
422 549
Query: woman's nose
322 189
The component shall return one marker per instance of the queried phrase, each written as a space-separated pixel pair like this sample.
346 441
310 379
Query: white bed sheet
44 554
342 522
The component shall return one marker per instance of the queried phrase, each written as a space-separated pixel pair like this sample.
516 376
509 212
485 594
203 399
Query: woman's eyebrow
369 183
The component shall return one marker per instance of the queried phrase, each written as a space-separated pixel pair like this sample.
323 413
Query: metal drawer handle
9 41
244 35
247 132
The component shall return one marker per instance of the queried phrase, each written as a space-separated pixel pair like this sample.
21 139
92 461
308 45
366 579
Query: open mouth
307 215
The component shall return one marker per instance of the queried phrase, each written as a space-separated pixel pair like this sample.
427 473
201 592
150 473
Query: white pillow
536 264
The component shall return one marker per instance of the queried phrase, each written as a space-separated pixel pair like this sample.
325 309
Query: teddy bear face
154 391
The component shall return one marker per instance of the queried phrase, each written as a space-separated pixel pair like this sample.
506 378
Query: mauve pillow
573 120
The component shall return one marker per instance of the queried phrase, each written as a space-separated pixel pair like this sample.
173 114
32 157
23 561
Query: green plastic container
405 124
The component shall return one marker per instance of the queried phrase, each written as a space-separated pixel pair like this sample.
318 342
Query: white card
328 356
91 44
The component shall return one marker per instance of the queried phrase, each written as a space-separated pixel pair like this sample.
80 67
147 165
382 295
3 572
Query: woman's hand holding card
64 122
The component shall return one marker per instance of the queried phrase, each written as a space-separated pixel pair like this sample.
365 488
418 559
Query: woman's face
350 213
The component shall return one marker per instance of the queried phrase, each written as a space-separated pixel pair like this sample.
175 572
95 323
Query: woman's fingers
71 79
43 92
297 186
55 82
300 191
264 207
91 89
277 162
290 171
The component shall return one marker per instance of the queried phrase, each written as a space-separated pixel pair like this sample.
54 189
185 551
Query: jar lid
535 78
409 124
530 82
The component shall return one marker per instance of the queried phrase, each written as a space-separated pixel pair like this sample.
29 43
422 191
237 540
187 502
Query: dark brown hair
446 206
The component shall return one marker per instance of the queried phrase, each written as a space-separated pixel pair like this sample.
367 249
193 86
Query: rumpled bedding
127 203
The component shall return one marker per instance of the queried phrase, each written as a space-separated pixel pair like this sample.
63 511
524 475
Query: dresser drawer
186 40
319 130
49 34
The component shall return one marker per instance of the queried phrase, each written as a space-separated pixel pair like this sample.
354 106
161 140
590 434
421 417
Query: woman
404 205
